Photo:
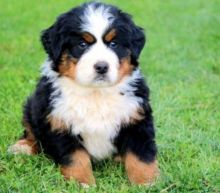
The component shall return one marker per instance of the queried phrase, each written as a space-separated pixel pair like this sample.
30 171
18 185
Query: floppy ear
137 40
52 44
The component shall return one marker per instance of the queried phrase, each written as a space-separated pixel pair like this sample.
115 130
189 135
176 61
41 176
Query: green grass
182 64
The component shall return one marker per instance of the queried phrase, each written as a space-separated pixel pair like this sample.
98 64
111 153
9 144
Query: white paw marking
20 149
84 185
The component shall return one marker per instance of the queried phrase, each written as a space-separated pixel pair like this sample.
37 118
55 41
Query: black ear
137 40
52 43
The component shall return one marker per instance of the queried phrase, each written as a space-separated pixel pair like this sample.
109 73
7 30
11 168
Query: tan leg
27 145
79 169
140 172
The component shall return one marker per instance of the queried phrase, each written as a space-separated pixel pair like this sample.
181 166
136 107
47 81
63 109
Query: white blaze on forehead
96 20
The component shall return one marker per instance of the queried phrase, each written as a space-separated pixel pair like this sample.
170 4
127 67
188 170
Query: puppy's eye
113 44
83 45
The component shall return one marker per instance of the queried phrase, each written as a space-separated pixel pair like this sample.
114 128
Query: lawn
182 65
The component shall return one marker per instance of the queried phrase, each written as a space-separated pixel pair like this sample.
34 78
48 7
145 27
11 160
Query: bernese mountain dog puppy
91 101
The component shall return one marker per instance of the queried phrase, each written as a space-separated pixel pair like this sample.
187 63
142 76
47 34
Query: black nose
101 67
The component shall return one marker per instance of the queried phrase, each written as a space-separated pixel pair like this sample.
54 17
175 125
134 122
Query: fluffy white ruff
94 113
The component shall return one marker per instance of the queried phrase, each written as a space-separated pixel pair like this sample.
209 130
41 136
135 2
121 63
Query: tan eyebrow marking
110 35
88 37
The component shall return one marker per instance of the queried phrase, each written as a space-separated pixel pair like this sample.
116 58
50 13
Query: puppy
91 101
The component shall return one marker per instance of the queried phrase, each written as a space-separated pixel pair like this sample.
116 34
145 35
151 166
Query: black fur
139 137
65 35
36 110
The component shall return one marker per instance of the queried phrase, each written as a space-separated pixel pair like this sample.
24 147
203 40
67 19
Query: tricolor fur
92 98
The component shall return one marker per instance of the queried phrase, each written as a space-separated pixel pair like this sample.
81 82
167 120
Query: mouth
101 80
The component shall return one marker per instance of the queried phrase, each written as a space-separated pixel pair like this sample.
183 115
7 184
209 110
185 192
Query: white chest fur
95 114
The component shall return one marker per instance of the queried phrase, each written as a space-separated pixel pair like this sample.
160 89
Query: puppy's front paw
139 172
79 169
